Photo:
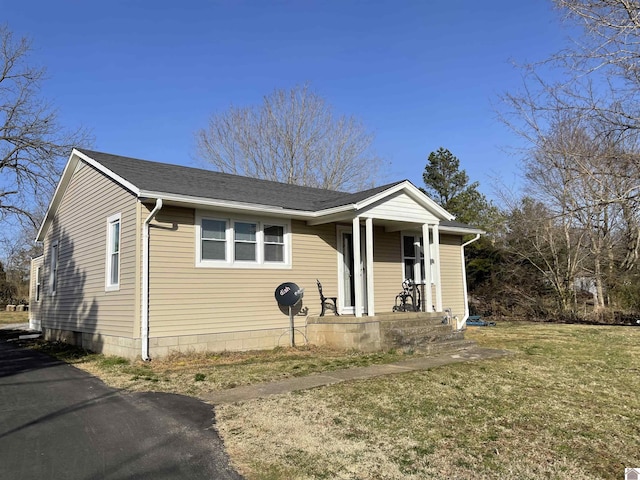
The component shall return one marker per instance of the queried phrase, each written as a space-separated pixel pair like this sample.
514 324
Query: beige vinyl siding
387 269
80 302
187 300
451 273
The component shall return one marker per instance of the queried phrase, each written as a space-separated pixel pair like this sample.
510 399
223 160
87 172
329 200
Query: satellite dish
288 294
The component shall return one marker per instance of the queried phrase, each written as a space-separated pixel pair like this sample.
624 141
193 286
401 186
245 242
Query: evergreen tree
449 186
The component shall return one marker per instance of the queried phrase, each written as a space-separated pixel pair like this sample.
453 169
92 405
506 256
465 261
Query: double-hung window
113 253
274 243
38 283
245 241
213 243
53 273
410 249
241 243
410 253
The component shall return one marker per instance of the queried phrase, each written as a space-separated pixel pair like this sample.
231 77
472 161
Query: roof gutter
464 283
144 319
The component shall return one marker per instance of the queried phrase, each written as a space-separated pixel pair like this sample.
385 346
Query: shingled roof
194 186
166 178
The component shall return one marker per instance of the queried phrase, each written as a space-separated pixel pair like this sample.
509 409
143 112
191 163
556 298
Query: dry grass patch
7 318
565 406
200 373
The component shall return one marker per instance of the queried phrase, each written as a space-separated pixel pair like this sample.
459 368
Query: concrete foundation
163 346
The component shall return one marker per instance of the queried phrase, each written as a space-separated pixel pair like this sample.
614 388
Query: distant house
143 258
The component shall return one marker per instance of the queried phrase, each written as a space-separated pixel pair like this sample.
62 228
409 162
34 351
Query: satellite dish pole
289 294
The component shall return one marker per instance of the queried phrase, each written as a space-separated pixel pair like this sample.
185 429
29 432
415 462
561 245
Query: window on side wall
241 243
38 283
113 252
53 273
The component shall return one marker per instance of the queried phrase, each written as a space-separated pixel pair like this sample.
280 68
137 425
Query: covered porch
409 217
418 260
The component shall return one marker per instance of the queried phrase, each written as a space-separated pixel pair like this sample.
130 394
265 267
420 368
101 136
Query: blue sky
144 76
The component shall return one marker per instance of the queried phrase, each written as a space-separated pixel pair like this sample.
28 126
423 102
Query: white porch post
369 251
438 279
427 268
417 269
357 268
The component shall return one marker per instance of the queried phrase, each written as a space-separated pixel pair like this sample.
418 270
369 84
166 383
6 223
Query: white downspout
144 319
464 282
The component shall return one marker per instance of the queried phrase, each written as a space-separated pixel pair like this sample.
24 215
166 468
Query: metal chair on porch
408 300
327 302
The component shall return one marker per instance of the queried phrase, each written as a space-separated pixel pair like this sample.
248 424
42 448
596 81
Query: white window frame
109 285
38 283
230 241
265 243
54 255
227 249
256 243
421 253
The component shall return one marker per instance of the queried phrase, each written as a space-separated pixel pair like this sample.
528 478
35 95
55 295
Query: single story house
143 258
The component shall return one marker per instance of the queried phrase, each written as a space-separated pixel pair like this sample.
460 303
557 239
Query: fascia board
313 217
381 195
225 204
429 203
356 206
116 178
405 186
464 231
330 214
67 174
414 193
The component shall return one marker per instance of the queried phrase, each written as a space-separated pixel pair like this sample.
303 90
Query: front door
347 271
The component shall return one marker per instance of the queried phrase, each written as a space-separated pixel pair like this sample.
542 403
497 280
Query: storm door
347 270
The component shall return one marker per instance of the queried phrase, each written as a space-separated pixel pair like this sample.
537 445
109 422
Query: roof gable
400 206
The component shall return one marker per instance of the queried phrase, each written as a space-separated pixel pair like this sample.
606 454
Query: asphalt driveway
58 422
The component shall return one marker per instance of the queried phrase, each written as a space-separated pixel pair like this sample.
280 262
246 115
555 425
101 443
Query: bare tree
554 246
598 74
584 177
32 142
292 137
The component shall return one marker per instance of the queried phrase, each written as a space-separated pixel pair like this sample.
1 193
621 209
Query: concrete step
394 330
412 322
396 316
445 347
398 339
